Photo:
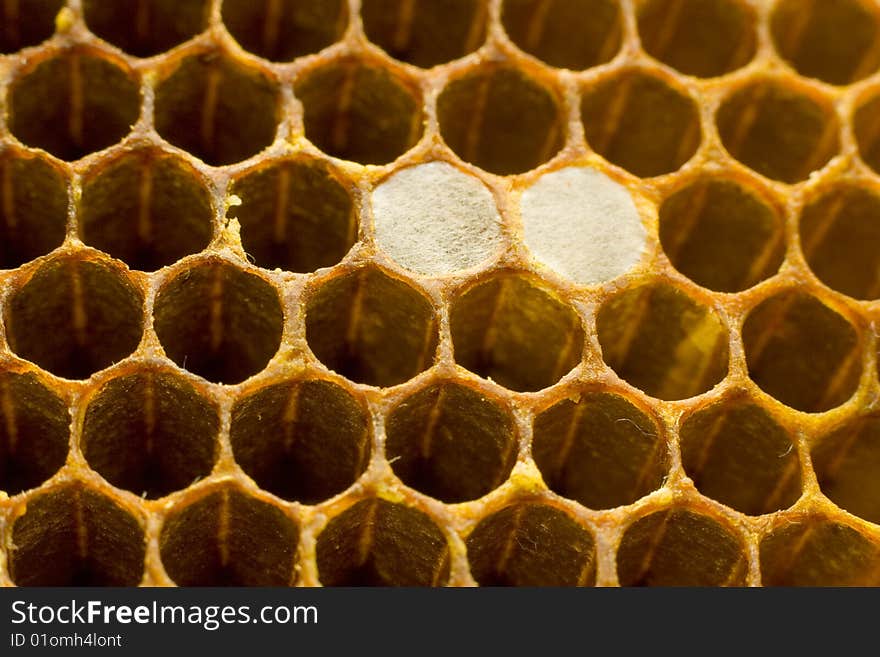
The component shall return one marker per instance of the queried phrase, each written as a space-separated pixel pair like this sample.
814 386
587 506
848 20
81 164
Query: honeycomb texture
212 373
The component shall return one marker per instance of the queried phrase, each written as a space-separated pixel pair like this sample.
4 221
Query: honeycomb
439 292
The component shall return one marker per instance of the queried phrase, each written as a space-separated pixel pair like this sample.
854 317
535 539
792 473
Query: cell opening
74 536
146 208
866 125
151 433
516 333
295 215
301 440
219 322
146 27
28 25
777 130
531 544
736 453
660 340
379 543
599 450
371 328
721 235
75 316
34 432
450 442
33 209
217 109
679 547
73 104
428 33
228 538
802 352
816 551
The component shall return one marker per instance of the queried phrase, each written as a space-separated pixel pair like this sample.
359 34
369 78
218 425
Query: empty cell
73 104
301 440
721 234
146 27
425 33
639 122
866 126
840 239
530 544
516 332
218 321
371 328
34 432
777 130
228 538
217 109
151 433
662 341
33 209
837 41
74 536
281 30
679 547
295 215
736 453
24 24
501 120
704 38
75 316
802 352
359 111
379 543
146 208
817 551
599 450
451 442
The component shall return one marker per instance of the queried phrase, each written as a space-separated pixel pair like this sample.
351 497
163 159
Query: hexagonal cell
151 433
228 538
301 440
33 209
847 466
426 33
816 551
574 34
840 239
777 130
218 321
514 331
698 37
28 25
737 454
637 121
295 215
146 208
802 352
371 328
679 547
809 36
866 126
282 30
722 235
360 112
599 450
74 536
146 27
75 316
74 103
379 543
451 442
531 544
660 340
34 432
217 109
501 120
